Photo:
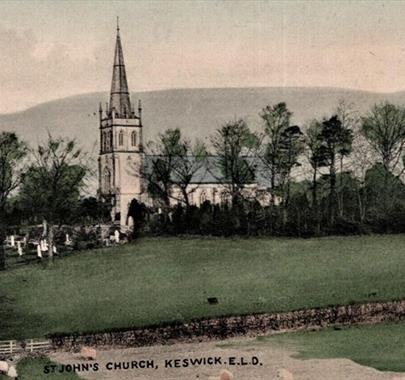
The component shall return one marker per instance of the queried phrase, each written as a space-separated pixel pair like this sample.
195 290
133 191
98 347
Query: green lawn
33 369
165 279
381 346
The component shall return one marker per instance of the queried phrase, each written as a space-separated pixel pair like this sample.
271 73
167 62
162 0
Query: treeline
338 175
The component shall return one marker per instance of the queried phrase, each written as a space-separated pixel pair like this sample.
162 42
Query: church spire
119 97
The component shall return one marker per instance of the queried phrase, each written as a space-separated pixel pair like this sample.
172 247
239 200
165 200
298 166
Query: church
121 155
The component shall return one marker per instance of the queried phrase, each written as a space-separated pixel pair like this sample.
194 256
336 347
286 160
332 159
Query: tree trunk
50 240
332 194
315 201
2 250
286 203
340 197
361 202
185 196
2 236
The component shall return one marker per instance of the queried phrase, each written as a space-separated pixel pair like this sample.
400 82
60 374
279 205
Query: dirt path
276 364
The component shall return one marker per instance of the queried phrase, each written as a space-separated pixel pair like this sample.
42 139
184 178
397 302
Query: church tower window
107 179
104 141
133 138
121 138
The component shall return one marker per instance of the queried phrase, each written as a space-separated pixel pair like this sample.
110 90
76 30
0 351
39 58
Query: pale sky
55 49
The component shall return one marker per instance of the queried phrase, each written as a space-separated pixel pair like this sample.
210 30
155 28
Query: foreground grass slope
165 279
380 346
33 369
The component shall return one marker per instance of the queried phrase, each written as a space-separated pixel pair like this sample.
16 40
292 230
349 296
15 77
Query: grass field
33 369
380 346
165 279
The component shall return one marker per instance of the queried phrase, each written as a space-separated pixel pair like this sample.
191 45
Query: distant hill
197 112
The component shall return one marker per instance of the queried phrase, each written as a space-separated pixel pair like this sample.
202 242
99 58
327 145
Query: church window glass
104 141
224 198
133 138
121 138
107 179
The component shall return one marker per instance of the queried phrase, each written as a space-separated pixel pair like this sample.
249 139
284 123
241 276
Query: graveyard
157 280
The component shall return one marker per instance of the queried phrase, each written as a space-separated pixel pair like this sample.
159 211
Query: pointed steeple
119 96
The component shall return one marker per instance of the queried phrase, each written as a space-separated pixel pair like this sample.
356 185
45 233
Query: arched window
111 139
133 138
121 138
203 197
107 179
104 141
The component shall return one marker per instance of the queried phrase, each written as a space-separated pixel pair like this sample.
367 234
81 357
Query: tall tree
384 129
174 163
362 159
316 156
158 170
349 119
51 187
291 147
235 147
12 153
189 160
336 140
276 121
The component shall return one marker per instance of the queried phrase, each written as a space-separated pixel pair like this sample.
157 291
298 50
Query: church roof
119 96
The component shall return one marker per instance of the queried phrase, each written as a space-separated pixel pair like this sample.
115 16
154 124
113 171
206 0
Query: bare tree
316 159
189 160
349 119
173 162
51 186
384 129
12 153
362 159
235 149
276 119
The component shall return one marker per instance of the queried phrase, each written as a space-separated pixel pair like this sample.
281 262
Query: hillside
198 112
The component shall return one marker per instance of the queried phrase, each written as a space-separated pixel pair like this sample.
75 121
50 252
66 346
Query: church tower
121 152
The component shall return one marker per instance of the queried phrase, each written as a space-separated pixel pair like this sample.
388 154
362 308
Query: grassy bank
165 279
33 369
380 346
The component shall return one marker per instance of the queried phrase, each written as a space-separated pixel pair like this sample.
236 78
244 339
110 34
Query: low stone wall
225 327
